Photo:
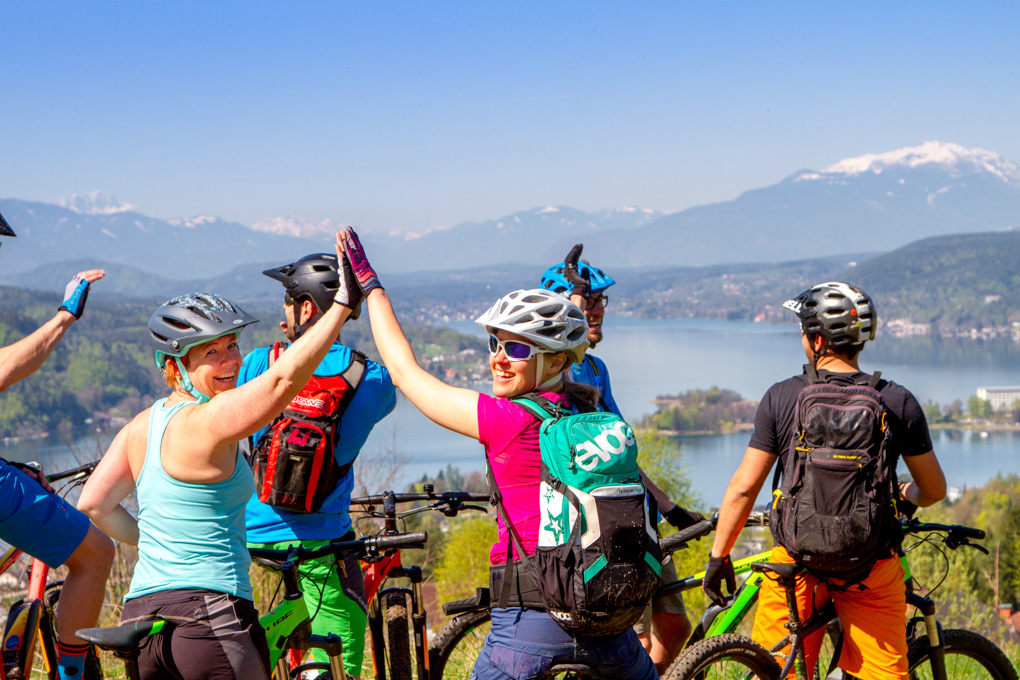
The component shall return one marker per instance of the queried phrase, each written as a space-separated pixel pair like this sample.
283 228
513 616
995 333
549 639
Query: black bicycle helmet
185 321
5 228
314 276
840 312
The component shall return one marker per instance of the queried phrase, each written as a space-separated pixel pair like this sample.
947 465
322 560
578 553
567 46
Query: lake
648 358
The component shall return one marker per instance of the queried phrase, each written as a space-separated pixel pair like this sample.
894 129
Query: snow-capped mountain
876 202
953 159
299 227
95 203
871 203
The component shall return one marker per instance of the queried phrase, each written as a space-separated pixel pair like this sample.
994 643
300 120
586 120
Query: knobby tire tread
696 662
963 643
451 634
398 640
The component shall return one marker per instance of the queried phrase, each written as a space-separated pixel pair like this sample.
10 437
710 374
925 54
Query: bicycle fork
933 630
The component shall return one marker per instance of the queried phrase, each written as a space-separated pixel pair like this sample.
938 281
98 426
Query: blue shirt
592 371
373 400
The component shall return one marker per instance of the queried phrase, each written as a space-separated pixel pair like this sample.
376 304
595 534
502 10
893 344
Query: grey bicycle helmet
547 319
314 276
183 322
840 312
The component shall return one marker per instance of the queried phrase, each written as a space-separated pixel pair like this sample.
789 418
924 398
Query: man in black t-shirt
836 320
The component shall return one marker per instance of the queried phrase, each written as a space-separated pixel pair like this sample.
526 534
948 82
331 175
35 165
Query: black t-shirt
774 426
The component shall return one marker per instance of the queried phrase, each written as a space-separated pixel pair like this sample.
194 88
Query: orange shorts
874 620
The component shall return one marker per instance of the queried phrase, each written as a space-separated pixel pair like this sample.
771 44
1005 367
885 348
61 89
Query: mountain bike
287 626
932 652
455 648
33 619
388 606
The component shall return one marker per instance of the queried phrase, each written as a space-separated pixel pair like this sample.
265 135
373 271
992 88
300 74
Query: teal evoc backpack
597 562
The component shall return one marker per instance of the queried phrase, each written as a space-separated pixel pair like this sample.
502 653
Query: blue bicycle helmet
554 280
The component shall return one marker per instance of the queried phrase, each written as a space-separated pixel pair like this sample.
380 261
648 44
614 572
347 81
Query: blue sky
416 114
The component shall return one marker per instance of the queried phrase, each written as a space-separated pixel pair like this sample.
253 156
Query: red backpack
293 460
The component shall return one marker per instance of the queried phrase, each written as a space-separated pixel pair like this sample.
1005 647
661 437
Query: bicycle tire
398 640
968 655
93 668
455 648
724 657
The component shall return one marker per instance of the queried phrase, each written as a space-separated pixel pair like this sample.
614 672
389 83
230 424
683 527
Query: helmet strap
186 383
540 368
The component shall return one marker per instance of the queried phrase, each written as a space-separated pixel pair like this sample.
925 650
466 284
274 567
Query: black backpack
834 510
293 460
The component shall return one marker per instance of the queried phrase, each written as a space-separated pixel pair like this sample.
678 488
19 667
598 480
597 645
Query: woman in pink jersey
534 337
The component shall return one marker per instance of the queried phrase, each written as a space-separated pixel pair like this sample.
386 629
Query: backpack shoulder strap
541 407
274 354
356 369
875 378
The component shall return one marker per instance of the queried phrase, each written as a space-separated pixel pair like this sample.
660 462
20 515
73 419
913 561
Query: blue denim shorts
524 643
37 522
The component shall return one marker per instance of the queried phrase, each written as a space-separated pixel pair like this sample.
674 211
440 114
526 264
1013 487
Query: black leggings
215 637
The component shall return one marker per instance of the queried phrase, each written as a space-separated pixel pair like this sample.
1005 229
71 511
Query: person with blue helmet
664 627
338 593
36 520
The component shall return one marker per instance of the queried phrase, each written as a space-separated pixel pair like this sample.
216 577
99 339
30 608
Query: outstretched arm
454 408
24 357
233 415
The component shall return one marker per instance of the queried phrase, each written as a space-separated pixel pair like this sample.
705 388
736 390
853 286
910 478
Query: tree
464 564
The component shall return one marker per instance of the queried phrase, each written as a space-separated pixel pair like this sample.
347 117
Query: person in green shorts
334 589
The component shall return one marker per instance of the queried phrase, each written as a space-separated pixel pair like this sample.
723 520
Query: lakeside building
1001 398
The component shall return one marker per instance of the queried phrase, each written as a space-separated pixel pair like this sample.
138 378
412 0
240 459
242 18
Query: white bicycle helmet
547 319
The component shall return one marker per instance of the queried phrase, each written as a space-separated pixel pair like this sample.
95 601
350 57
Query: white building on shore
1001 398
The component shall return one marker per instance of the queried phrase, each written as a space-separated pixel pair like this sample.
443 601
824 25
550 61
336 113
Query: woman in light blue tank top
193 484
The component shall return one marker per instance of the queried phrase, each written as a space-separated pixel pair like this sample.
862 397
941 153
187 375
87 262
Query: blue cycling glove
75 294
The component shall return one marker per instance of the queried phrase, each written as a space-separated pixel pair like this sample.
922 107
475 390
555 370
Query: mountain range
871 203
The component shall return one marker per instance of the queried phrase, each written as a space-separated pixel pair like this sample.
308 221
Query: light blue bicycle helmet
554 280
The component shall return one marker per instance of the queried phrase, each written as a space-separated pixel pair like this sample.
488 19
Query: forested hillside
103 369
968 280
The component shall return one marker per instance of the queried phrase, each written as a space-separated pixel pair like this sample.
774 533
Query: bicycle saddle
783 570
122 639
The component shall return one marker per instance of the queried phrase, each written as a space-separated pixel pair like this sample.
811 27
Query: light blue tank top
190 535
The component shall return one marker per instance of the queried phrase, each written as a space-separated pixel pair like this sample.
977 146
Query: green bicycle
933 653
287 625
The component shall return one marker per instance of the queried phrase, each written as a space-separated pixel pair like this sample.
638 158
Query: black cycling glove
719 568
75 294
581 284
348 292
681 518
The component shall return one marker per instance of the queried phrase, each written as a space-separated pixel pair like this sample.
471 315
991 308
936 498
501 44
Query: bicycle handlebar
679 540
369 545
81 470
445 497
955 530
